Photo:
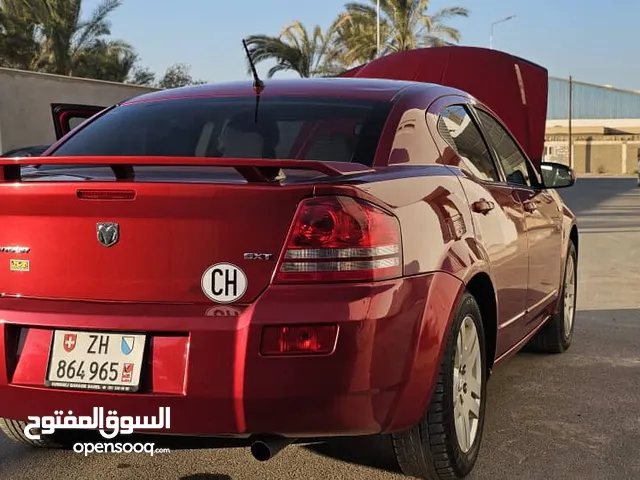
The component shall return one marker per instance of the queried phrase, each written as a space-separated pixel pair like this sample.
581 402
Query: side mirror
556 175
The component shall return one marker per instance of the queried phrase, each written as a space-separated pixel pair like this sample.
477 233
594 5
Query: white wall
26 98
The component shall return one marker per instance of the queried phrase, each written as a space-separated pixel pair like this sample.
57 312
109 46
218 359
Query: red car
347 256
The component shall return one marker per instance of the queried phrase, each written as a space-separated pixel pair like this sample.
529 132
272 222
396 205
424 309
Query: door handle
530 206
482 206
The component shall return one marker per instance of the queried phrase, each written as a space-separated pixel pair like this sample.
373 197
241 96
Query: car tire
434 449
14 430
557 334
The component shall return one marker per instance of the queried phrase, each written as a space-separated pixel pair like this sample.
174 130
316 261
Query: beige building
599 146
605 126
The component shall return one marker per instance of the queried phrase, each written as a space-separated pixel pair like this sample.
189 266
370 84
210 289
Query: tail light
341 239
299 340
106 194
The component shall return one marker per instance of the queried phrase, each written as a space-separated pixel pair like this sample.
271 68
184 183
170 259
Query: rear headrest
235 143
331 148
246 122
244 128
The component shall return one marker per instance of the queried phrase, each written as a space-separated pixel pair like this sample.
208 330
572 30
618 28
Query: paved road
573 416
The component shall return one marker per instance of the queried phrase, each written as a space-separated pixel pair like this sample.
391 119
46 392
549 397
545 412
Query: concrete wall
596 154
26 98
606 145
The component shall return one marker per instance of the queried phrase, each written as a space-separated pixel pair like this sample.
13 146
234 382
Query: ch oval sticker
224 283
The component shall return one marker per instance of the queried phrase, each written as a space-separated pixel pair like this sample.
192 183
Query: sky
594 41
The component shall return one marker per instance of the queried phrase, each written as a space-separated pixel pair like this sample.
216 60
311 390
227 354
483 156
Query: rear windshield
304 128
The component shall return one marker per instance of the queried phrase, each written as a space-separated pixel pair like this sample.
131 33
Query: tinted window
513 161
458 129
75 121
294 128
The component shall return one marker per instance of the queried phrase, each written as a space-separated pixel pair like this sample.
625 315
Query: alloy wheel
569 296
467 384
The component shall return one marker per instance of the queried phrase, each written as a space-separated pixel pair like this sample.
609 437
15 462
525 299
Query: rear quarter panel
435 220
414 182
437 238
438 235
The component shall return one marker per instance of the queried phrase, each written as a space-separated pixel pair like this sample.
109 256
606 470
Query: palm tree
65 35
53 37
404 25
356 36
296 49
19 47
105 60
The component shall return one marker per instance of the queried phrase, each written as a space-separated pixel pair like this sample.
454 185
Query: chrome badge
15 249
108 233
258 256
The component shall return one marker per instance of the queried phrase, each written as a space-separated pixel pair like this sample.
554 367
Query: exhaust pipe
265 448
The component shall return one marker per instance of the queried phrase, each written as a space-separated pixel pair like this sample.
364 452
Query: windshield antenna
258 85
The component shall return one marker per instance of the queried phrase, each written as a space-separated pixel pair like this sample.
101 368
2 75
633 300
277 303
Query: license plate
95 361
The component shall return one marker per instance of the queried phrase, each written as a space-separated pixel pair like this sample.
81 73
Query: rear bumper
204 361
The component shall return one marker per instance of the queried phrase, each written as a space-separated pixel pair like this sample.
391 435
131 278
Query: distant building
605 127
591 101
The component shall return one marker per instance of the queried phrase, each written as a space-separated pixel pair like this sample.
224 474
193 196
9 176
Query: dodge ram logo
108 233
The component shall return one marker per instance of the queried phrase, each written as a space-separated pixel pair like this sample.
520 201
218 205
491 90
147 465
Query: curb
604 175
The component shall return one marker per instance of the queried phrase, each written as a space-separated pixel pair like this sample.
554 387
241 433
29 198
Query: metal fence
590 101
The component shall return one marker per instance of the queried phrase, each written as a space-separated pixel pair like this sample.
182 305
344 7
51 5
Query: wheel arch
481 288
574 237
414 398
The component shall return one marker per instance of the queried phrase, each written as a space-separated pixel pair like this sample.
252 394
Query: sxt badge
258 256
224 283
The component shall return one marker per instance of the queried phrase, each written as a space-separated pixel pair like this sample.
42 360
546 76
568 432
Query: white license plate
96 361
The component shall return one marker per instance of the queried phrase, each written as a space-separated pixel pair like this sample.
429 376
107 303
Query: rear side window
458 129
303 128
513 160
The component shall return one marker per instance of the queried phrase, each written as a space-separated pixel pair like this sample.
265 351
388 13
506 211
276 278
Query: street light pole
378 29
493 25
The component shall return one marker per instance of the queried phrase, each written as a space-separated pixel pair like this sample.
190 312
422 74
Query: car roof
337 87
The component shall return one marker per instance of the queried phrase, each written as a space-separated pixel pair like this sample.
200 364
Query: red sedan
345 256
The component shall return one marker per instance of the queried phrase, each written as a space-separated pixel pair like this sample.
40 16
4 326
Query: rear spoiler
252 169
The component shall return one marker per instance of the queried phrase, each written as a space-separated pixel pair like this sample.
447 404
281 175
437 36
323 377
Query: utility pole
570 115
378 29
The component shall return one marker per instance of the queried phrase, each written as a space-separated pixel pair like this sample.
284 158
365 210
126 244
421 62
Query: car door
543 218
498 219
67 116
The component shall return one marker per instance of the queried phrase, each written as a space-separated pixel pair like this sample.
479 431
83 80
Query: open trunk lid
137 241
514 88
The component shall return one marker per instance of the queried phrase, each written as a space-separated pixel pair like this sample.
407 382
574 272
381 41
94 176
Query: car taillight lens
341 239
87 194
299 340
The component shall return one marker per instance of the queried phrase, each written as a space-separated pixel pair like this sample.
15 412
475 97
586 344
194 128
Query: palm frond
404 25
97 25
